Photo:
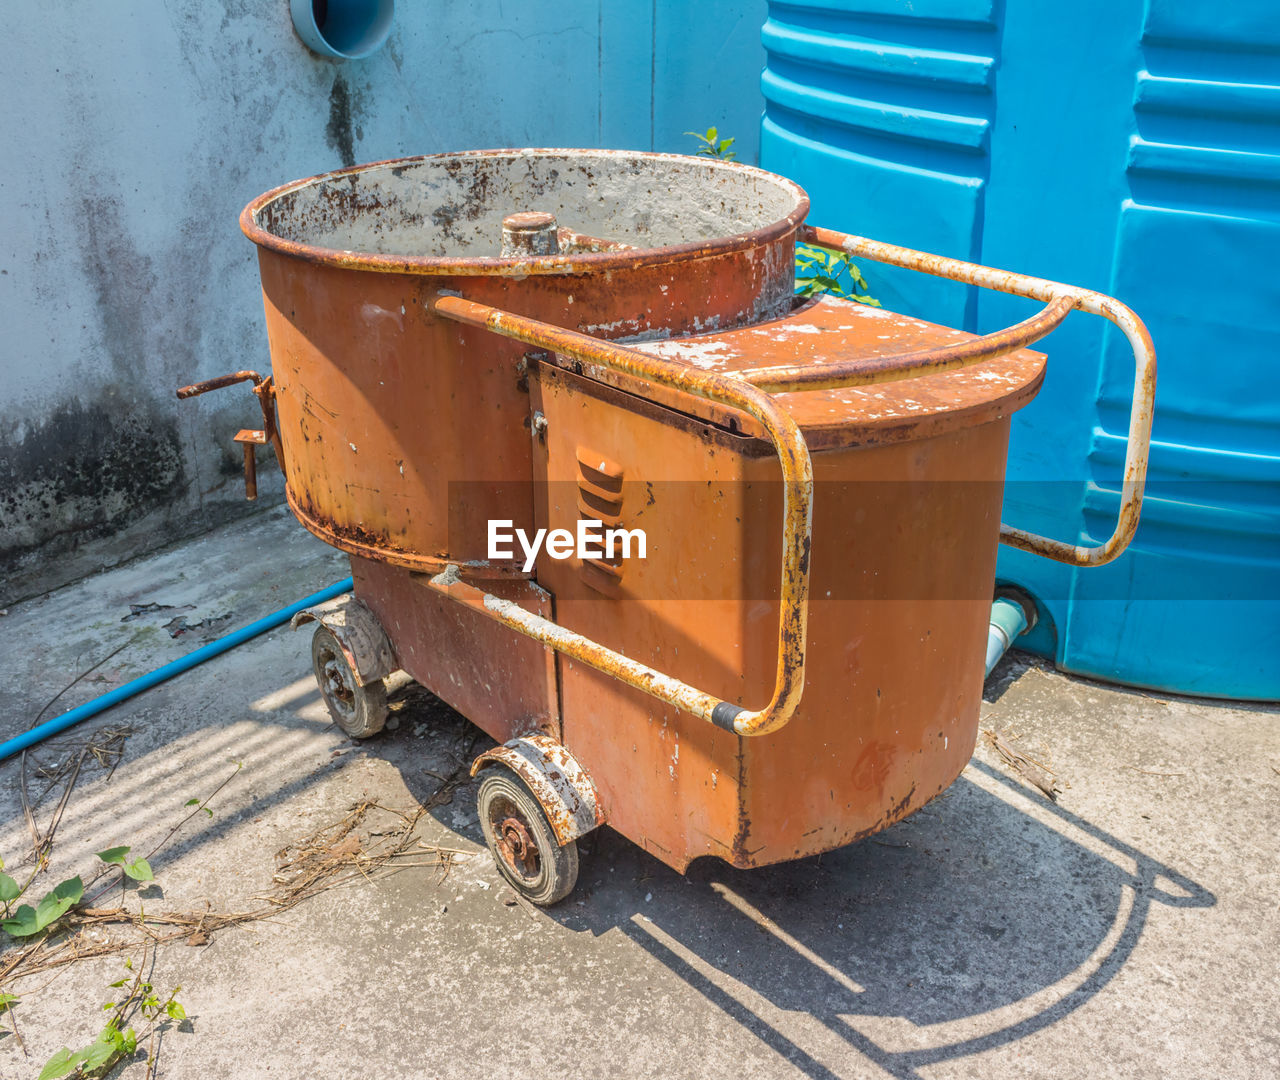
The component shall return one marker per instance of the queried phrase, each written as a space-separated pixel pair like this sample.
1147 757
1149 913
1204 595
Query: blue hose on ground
168 671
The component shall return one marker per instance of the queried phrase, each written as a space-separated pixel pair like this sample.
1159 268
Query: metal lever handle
797 518
264 390
195 389
1057 297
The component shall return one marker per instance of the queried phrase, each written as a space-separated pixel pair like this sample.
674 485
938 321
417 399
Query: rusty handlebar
1059 301
750 392
797 513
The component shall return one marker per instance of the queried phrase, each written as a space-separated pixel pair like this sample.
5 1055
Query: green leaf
196 802
130 1042
60 1064
118 982
139 869
711 134
23 923
9 889
103 1051
28 920
65 895
175 1011
8 1000
71 890
208 811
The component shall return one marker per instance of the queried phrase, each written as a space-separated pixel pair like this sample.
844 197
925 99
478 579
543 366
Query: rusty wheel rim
333 683
514 840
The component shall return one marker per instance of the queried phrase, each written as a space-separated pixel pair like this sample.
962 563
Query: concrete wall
134 132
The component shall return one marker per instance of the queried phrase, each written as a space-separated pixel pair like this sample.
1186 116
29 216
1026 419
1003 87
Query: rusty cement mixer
478 345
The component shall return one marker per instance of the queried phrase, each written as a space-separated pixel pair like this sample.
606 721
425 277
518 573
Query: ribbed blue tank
1129 146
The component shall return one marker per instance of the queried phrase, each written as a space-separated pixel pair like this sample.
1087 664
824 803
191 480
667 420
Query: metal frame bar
797 522
750 393
1056 296
868 372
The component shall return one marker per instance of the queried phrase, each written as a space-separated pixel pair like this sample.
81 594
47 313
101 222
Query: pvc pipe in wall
343 29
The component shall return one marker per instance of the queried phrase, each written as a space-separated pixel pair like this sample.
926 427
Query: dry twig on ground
1033 771
336 854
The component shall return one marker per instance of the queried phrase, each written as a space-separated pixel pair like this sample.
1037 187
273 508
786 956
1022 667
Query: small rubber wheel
360 711
520 837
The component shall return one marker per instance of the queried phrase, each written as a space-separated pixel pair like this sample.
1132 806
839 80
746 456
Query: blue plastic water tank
1129 146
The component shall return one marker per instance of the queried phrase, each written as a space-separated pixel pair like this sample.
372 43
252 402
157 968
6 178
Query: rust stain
562 787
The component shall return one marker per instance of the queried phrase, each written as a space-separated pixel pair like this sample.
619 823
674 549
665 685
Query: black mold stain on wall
83 473
339 130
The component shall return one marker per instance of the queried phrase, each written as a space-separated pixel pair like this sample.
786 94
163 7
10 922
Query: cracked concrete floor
1129 930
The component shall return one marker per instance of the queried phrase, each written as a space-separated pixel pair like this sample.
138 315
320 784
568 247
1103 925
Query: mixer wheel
360 711
520 838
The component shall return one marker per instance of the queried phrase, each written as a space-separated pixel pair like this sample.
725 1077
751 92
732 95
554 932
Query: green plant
138 869
28 920
818 270
199 805
821 271
10 890
115 1041
711 145
106 1050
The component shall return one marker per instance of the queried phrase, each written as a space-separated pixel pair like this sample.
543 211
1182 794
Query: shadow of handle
1189 895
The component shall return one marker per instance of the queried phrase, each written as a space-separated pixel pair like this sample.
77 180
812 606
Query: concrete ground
1130 929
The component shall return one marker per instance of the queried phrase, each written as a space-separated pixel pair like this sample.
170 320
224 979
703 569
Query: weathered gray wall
134 132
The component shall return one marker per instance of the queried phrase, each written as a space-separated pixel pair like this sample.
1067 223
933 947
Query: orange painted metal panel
904 544
503 683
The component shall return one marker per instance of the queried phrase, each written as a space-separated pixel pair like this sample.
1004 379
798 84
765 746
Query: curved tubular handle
1055 295
911 365
797 519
